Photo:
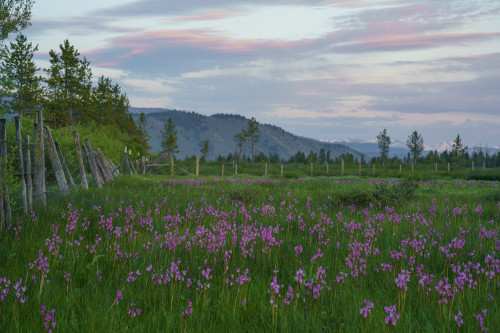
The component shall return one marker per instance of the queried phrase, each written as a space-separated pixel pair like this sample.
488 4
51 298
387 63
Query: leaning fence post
93 166
29 183
79 156
65 166
56 163
41 159
100 157
21 164
6 213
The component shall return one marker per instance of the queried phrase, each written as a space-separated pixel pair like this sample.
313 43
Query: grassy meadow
154 253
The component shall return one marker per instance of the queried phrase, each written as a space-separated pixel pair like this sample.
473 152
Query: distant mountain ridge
220 129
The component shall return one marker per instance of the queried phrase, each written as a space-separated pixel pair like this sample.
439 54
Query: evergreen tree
169 142
458 149
14 16
69 86
416 144
322 156
252 132
19 79
143 134
384 141
240 140
205 149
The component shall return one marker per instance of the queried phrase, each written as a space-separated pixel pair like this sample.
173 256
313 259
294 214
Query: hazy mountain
220 129
370 147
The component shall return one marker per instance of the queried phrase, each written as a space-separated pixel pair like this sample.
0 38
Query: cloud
209 15
391 43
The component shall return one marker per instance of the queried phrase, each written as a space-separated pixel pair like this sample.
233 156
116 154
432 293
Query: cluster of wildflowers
392 315
367 309
133 311
49 319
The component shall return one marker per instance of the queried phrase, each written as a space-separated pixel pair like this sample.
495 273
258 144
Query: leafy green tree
252 133
18 67
240 140
205 149
415 143
458 149
15 15
384 141
169 142
69 86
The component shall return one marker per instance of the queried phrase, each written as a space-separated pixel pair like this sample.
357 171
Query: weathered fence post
327 171
93 166
360 169
171 166
399 168
41 159
102 159
197 166
342 162
131 164
472 165
56 163
374 169
265 171
236 169
5 215
448 167
223 170
65 166
282 169
484 165
29 182
79 157
143 165
412 167
21 164
436 167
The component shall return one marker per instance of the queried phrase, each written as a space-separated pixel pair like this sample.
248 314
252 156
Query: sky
324 69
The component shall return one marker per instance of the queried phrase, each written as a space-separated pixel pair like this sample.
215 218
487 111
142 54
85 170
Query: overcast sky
321 69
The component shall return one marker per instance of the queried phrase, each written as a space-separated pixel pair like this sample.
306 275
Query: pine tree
19 79
14 16
169 142
240 140
205 149
252 133
458 149
384 141
69 86
416 144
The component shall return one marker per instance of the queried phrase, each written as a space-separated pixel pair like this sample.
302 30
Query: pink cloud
379 43
210 15
197 38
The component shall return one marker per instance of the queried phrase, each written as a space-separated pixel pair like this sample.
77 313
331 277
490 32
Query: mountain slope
220 129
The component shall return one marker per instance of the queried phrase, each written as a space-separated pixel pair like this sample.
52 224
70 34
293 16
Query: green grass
140 221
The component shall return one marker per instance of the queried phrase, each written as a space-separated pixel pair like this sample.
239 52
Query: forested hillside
220 129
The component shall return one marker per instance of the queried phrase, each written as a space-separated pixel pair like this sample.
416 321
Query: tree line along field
154 253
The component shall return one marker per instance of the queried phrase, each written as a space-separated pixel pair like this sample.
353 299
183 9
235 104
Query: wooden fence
33 171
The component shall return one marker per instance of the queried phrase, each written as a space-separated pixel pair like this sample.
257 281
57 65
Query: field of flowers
322 254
